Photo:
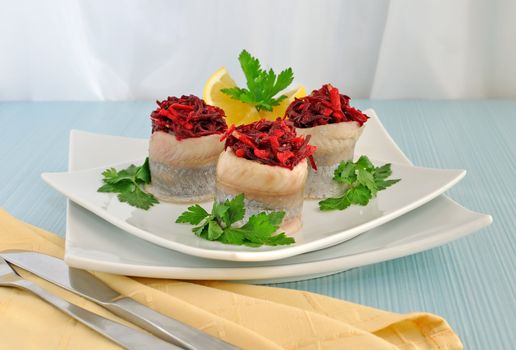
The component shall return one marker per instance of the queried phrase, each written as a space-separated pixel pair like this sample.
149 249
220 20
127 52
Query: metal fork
127 337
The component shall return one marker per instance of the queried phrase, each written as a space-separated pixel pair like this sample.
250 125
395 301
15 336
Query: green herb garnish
364 180
128 183
218 226
262 86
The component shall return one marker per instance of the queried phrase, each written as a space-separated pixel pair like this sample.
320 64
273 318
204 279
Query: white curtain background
145 50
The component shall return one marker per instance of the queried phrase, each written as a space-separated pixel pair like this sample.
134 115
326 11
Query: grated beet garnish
321 107
270 142
188 117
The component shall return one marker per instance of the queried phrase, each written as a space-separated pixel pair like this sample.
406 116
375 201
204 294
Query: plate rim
268 255
246 256
328 266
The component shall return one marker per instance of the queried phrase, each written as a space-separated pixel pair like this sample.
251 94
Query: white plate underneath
320 229
93 243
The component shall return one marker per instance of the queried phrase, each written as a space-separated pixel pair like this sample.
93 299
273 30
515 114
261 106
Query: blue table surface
470 282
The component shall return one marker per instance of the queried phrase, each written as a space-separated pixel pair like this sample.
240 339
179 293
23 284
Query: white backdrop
144 50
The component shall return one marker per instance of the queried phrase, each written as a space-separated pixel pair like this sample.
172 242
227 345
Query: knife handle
169 329
126 337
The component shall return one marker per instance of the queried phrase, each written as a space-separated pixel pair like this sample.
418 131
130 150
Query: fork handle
127 337
166 328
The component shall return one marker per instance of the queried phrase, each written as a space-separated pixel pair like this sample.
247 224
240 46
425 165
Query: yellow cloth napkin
251 317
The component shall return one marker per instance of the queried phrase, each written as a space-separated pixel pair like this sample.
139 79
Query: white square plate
320 229
93 243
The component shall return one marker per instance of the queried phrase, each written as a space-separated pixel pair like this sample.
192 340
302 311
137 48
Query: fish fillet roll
183 149
267 162
334 127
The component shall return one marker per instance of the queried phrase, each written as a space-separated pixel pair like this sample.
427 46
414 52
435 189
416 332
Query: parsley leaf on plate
128 183
137 198
219 225
262 85
143 172
214 230
339 203
236 210
194 215
364 181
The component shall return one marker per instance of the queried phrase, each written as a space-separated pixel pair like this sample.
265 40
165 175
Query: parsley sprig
364 181
128 184
262 85
219 224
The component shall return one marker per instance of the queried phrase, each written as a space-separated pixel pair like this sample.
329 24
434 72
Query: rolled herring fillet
334 127
267 162
265 187
335 143
183 171
183 149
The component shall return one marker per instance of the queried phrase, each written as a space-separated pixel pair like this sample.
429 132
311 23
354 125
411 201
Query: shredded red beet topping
187 117
270 142
321 107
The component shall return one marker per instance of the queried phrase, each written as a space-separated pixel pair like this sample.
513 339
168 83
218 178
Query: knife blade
90 287
127 337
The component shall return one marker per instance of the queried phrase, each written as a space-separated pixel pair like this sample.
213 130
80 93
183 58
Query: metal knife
128 338
90 287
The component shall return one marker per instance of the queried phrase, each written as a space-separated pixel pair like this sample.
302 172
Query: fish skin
182 185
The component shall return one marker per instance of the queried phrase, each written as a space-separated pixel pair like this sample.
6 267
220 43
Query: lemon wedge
238 112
